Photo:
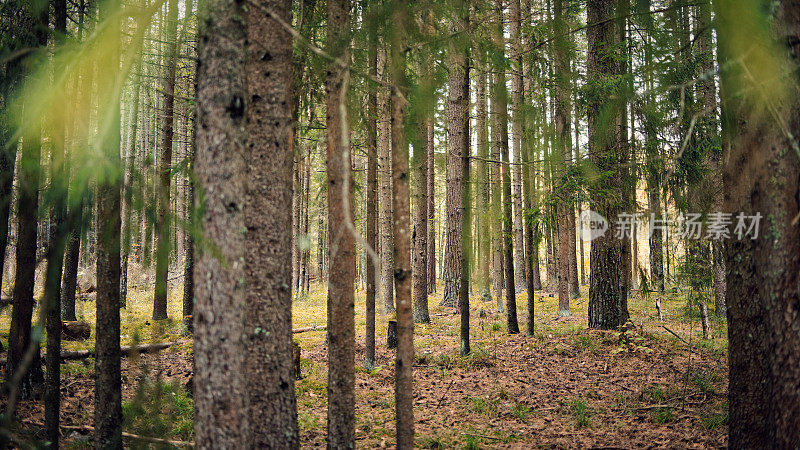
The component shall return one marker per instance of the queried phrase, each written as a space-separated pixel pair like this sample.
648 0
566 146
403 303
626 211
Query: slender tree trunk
501 98
517 131
341 323
484 234
58 233
562 154
130 153
373 266
403 388
420 273
108 381
385 186
431 257
165 169
220 387
709 125
19 336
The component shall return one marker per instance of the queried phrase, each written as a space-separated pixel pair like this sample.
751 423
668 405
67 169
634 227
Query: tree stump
296 359
391 338
75 330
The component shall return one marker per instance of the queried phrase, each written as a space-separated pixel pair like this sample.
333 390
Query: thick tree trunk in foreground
760 177
108 381
164 171
606 291
220 388
341 323
268 318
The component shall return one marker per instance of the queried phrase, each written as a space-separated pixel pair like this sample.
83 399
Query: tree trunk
57 240
373 266
760 177
501 98
130 158
562 154
420 272
517 131
19 336
385 186
167 133
341 323
403 388
484 234
268 318
108 381
431 257
457 108
220 387
606 291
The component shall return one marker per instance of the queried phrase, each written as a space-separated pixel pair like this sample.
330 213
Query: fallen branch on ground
126 350
303 330
675 334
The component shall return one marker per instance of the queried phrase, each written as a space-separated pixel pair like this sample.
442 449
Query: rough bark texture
761 176
268 318
404 359
220 388
457 108
606 291
108 382
164 171
385 186
341 323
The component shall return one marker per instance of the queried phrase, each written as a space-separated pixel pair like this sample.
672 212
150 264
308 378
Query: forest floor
565 387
